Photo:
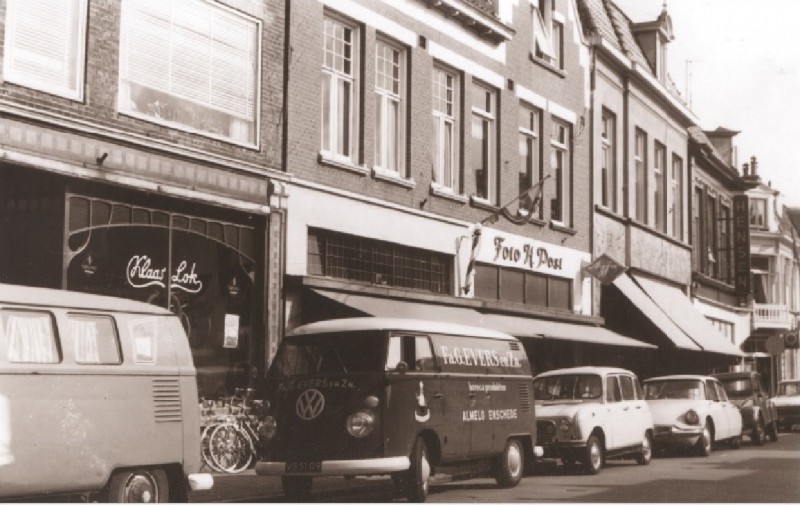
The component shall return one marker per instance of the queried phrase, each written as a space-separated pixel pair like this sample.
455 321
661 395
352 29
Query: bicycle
229 441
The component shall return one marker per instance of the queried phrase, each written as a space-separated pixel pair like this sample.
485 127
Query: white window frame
561 161
755 204
557 42
488 120
677 228
542 16
658 194
640 208
330 146
384 141
529 133
608 169
443 122
13 22
248 112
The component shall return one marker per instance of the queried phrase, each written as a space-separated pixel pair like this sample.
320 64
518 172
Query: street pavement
766 474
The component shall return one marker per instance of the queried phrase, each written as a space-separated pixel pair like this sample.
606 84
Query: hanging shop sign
741 244
516 251
605 269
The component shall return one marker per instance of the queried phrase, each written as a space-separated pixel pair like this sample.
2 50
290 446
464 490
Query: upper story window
45 42
640 175
389 107
193 65
677 197
530 148
484 142
445 128
659 189
608 183
711 245
544 47
340 89
725 250
557 37
758 212
561 166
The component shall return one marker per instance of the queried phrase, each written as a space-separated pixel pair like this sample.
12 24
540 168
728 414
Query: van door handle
438 395
626 408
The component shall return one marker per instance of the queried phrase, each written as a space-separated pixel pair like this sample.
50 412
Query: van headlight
691 417
360 424
268 428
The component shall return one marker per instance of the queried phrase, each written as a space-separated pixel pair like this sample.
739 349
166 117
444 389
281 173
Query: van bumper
200 481
341 467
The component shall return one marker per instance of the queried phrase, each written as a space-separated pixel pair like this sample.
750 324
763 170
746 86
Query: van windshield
330 354
568 387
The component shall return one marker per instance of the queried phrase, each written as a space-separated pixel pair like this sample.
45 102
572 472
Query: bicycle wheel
229 448
205 446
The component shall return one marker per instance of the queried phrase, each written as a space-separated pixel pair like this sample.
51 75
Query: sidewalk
247 486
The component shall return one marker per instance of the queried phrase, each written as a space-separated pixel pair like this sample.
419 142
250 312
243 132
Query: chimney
754 165
750 170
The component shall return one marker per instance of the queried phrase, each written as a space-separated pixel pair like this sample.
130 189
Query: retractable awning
685 315
514 325
654 313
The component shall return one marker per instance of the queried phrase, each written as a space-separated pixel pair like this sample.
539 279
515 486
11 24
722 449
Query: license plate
303 466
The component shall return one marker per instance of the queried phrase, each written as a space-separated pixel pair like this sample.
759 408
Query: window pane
380 130
95 339
536 290
559 293
486 282
478 153
449 172
626 384
612 390
343 111
392 140
30 337
326 111
512 285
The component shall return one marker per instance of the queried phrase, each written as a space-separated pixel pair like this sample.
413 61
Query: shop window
340 83
360 259
390 108
191 65
44 45
536 289
484 142
512 285
517 286
445 130
30 336
95 339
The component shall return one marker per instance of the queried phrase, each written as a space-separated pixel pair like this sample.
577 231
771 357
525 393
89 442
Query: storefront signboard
741 244
516 251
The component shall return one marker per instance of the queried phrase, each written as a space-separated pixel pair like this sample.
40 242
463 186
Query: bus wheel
140 485
417 481
296 488
510 465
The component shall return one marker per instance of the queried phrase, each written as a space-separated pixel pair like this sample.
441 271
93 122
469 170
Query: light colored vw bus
368 396
98 397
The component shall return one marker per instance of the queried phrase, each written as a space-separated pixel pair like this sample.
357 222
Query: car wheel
593 458
416 482
296 489
705 441
139 486
736 442
646 454
757 435
510 465
773 431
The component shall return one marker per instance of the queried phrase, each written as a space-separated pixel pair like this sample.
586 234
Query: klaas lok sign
141 274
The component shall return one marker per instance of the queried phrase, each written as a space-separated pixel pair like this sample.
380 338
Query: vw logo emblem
309 404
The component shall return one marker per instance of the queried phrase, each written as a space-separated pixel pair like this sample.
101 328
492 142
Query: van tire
296 489
139 485
416 483
510 464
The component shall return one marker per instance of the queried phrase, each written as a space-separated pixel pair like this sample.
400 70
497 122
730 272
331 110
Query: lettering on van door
489 415
472 357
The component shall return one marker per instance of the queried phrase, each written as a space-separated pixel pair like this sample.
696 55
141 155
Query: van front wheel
297 489
416 482
140 485
510 465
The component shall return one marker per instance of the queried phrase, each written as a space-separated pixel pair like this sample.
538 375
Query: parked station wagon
370 396
787 402
589 414
759 415
692 411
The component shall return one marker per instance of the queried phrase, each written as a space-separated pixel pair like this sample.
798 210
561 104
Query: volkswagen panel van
98 398
369 396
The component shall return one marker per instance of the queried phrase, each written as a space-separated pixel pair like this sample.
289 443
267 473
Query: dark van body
394 396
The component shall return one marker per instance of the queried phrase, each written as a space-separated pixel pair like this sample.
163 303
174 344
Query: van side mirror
402 367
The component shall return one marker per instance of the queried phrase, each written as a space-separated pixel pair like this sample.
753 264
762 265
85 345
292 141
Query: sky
743 63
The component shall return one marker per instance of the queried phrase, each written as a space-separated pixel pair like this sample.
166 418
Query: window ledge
482 203
332 160
605 211
559 226
547 65
445 192
393 177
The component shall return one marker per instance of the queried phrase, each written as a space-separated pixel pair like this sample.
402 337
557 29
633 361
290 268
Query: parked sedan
692 411
759 415
587 414
788 403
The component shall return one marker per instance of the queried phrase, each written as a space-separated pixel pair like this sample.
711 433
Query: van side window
95 339
30 336
424 361
626 382
612 389
415 351
394 354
